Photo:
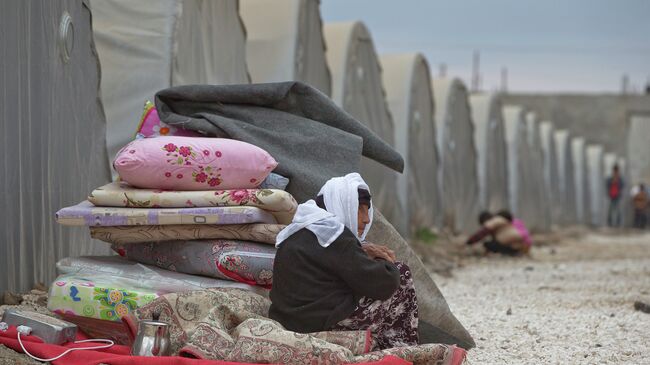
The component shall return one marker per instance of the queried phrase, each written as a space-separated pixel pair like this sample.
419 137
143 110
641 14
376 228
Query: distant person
614 186
507 236
640 202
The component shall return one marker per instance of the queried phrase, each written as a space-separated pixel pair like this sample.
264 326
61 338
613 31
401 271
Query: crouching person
501 233
325 278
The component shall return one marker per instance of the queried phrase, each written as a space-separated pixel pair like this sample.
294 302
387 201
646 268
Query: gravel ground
570 302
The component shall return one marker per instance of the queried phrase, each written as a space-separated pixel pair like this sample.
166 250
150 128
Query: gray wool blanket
313 140
305 131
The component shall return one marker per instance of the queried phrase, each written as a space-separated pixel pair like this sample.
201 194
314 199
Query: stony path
570 303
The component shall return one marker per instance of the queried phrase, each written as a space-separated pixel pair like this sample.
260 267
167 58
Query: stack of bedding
187 213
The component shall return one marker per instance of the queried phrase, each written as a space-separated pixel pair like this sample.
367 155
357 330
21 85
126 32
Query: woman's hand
379 252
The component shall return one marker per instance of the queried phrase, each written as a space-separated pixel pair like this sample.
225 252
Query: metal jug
152 339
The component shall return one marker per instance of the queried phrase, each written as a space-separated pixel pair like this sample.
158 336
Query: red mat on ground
118 355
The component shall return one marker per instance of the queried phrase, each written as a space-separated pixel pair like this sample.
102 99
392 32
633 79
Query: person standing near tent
324 278
509 236
614 186
640 202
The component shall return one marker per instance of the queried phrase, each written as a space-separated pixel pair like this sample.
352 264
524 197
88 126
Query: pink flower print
184 151
179 176
60 283
218 153
201 177
214 181
206 152
240 196
170 147
168 174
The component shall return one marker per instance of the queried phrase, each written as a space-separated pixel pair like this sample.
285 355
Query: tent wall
596 184
457 153
148 45
600 118
357 87
519 167
410 99
626 204
52 134
541 215
285 42
638 149
492 163
566 175
580 176
551 173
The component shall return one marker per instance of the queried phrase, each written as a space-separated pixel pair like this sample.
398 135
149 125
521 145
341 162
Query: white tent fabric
491 148
357 87
541 218
609 160
52 132
626 206
410 99
551 173
566 175
597 195
457 153
580 176
638 149
148 45
285 42
519 167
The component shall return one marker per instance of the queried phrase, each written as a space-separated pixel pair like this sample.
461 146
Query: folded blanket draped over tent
313 140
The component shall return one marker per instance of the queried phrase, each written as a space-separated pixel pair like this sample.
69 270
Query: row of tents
76 74
464 152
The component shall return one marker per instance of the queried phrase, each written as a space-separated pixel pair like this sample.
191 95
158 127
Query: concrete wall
600 118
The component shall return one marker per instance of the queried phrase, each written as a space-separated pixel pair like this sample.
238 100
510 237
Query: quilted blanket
263 233
86 214
120 194
232 325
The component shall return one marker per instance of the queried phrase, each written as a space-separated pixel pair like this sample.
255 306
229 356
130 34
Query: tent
541 213
357 87
580 174
519 167
491 148
410 100
551 173
457 153
285 42
626 204
638 149
148 45
53 135
596 184
566 175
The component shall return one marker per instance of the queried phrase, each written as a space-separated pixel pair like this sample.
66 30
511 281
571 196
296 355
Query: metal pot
152 339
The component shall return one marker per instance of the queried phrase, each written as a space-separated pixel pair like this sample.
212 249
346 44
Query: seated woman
508 236
324 278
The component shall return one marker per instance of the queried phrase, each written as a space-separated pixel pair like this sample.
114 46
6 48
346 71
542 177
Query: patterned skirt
393 322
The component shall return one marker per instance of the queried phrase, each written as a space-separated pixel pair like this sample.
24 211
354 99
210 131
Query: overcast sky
547 45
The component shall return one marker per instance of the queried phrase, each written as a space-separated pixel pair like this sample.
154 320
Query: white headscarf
341 198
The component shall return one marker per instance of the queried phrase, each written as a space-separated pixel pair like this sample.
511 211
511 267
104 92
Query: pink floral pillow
193 163
151 126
